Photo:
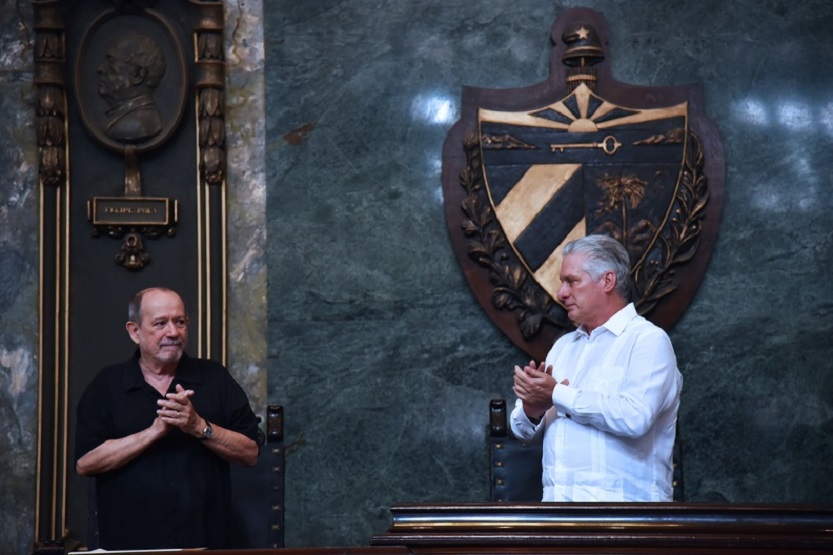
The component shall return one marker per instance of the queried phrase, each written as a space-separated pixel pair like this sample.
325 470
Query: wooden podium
603 528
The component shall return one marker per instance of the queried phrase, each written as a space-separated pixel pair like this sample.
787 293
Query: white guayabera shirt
610 434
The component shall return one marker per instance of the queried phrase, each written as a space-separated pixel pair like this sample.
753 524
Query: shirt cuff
535 421
564 398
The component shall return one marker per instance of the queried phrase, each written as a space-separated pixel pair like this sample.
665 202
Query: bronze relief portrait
131 77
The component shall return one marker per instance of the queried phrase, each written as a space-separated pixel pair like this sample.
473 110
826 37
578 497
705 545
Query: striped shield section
581 165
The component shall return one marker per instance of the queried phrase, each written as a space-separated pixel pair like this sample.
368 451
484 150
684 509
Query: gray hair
134 307
604 254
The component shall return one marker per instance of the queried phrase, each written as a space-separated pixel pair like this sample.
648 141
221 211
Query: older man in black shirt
158 432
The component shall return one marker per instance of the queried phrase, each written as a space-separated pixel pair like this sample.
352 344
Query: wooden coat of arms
527 170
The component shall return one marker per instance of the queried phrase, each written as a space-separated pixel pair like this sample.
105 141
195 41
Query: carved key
609 145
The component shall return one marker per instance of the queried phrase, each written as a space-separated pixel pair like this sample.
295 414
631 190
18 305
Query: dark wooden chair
257 511
515 465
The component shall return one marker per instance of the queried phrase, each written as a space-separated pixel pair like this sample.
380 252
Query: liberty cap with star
583 45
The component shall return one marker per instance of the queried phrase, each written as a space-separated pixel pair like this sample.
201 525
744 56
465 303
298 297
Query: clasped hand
533 384
176 410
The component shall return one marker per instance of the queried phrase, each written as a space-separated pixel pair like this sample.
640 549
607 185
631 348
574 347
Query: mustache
176 343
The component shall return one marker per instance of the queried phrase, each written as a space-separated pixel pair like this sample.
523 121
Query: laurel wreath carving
679 240
516 290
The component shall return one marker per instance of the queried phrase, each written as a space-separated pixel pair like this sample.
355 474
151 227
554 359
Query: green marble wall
382 357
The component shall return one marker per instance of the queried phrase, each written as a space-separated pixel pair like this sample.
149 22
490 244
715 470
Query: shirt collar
186 372
616 324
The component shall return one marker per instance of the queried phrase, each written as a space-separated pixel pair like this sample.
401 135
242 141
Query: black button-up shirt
176 493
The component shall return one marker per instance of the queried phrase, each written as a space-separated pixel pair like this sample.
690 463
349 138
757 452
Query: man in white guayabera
605 400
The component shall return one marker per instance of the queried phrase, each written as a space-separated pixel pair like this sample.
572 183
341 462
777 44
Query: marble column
19 199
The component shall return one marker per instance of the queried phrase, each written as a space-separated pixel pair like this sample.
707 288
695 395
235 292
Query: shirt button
172 483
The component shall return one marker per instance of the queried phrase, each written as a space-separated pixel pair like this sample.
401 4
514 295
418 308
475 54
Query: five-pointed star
583 32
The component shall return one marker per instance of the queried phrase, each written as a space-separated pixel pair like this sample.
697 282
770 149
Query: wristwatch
208 431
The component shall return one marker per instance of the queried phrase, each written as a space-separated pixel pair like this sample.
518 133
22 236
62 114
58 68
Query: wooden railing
584 528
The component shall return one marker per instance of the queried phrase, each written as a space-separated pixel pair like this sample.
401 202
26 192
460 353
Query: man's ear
139 75
609 281
132 331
